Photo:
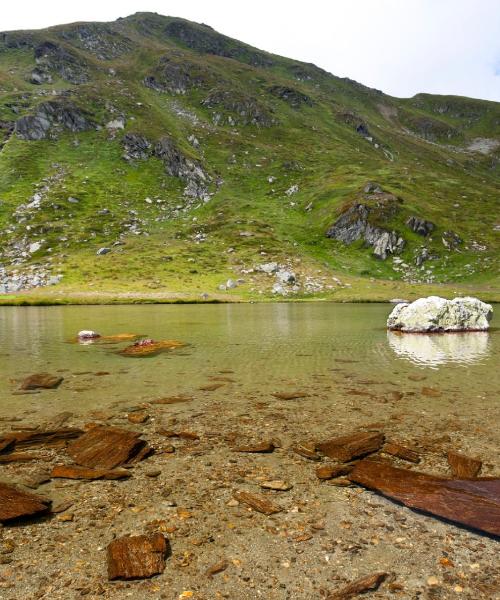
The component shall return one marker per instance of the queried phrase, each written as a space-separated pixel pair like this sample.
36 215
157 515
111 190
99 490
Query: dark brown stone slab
15 503
41 381
257 502
6 444
463 467
20 457
332 471
400 451
347 447
76 472
360 586
137 557
473 503
31 439
307 450
106 447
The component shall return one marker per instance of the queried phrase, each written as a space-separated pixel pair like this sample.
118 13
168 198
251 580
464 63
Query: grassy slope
332 163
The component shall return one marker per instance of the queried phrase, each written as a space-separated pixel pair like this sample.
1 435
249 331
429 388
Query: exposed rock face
293 97
420 226
178 75
203 38
243 109
98 38
435 314
354 224
136 147
55 58
186 169
49 115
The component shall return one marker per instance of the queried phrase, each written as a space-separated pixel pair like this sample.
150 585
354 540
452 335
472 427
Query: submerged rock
88 334
435 314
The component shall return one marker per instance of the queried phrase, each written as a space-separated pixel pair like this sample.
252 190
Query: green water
268 347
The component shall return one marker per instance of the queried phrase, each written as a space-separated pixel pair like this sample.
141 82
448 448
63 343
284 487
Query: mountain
154 158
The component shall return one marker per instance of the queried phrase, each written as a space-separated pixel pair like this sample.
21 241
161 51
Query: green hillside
153 158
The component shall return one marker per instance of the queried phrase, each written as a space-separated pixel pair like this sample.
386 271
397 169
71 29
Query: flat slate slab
106 447
347 447
15 503
473 503
137 557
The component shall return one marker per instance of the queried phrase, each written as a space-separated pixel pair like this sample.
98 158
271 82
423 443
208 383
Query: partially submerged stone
473 503
356 445
41 381
15 503
88 334
150 347
106 447
435 314
137 557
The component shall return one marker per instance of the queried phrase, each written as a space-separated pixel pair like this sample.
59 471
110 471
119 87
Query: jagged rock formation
420 226
178 74
232 107
358 221
51 57
293 97
49 115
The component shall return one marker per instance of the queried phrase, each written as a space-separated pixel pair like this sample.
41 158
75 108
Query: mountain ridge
193 159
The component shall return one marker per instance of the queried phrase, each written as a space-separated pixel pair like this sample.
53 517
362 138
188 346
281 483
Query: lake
310 347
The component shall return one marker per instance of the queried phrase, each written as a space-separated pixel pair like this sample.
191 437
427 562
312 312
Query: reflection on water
440 348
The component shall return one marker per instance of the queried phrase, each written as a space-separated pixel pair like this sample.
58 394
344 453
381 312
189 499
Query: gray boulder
435 314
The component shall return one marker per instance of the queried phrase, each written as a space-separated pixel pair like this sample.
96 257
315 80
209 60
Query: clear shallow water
268 347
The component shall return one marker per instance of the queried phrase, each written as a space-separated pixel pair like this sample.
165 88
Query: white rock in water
88 334
438 314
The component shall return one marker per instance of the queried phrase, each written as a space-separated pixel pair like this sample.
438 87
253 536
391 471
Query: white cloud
400 46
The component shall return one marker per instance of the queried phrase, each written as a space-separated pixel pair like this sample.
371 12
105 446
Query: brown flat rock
400 451
15 503
76 472
20 457
31 439
257 502
360 586
332 471
289 395
307 450
106 447
473 503
211 387
463 467
137 557
347 447
172 399
259 447
137 417
41 381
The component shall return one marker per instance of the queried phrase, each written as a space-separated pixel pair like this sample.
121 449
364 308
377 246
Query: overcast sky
399 46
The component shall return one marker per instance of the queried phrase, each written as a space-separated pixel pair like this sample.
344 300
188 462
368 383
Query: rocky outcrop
178 74
238 108
51 57
49 116
290 95
361 220
203 38
188 170
99 39
136 147
435 314
420 226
